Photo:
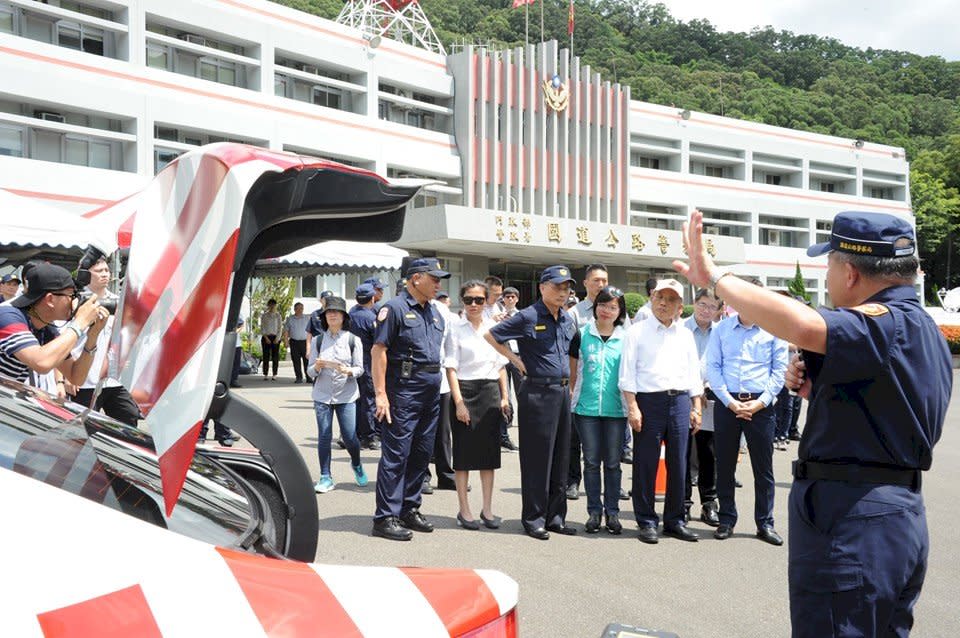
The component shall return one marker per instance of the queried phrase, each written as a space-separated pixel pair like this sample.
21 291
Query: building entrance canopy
541 239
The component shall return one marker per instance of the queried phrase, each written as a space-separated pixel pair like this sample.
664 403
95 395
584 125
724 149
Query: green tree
796 287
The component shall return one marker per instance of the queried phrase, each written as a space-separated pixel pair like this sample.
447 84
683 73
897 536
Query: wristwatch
717 275
73 326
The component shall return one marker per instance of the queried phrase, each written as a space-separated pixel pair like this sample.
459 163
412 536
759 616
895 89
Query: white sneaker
324 485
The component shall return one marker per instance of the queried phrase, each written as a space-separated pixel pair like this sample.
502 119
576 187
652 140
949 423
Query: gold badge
872 309
555 94
540 327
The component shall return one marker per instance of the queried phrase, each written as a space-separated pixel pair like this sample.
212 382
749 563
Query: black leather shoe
539 533
340 443
737 483
593 524
709 516
794 436
681 532
723 532
390 529
686 513
235 385
509 445
564 530
623 495
491 523
370 444
573 492
648 535
450 487
769 535
426 488
627 457
225 441
614 526
415 520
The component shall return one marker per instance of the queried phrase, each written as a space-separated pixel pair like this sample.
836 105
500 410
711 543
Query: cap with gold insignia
870 234
429 265
556 275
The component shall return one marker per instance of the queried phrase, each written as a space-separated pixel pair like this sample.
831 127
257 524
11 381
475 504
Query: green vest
598 373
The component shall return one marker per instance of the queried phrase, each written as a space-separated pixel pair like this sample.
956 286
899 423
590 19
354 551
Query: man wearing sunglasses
29 340
543 332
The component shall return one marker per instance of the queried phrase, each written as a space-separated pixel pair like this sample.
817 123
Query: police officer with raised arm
878 376
543 332
406 379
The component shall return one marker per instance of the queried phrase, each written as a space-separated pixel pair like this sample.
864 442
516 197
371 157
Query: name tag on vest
540 328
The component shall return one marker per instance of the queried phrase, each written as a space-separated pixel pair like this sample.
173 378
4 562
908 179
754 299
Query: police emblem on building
556 94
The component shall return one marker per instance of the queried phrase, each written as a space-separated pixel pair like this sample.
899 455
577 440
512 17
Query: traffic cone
660 486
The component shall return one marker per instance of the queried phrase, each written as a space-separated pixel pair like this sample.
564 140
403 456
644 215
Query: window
773 180
80 37
713 171
11 140
7 20
828 187
878 192
162 157
308 286
325 96
157 56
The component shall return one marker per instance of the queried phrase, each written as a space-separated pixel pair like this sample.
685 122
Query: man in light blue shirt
745 367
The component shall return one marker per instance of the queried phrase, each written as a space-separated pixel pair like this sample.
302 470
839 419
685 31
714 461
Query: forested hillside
804 82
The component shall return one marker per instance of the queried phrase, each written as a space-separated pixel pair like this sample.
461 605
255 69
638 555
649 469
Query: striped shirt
15 335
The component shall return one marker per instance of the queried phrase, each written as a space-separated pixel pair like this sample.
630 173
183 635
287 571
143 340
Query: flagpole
541 21
526 23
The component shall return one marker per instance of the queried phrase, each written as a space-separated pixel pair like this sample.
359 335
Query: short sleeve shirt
410 331
543 342
881 390
15 335
362 320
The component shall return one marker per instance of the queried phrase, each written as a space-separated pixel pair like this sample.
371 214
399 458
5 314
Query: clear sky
926 27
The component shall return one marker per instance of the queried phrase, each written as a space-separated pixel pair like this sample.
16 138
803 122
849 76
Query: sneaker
324 485
360 475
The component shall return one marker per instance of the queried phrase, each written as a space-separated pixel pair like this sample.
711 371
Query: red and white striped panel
76 568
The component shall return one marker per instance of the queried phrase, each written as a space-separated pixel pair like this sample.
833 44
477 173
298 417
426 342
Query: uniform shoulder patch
871 309
383 314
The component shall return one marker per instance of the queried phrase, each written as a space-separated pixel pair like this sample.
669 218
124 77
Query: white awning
333 256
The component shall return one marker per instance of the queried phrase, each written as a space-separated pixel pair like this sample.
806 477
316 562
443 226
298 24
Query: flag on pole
521 3
570 20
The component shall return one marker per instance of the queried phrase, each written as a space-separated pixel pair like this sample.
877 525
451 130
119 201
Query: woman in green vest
598 410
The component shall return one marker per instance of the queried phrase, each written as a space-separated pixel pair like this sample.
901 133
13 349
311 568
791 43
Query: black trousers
707 476
514 379
543 418
367 425
115 402
298 353
271 352
443 446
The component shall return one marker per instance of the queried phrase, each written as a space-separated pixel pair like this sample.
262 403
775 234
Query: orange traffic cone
660 486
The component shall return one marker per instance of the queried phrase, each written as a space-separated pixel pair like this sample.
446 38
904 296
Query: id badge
406 369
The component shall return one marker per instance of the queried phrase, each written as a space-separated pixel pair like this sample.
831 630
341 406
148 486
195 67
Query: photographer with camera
29 341
113 400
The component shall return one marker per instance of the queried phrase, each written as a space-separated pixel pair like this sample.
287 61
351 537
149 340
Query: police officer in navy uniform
878 376
362 324
406 379
543 332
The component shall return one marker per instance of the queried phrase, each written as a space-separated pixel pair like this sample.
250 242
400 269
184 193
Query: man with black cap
29 341
9 287
543 332
877 372
406 379
315 326
362 324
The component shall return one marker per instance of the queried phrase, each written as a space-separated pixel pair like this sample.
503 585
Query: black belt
418 367
667 393
564 381
746 396
853 473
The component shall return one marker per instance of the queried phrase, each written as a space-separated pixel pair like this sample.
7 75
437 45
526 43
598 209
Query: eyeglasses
473 300
72 295
613 291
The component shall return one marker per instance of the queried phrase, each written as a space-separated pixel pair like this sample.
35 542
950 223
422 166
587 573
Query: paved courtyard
574 586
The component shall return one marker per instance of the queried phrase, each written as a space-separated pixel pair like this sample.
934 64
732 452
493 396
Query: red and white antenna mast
402 20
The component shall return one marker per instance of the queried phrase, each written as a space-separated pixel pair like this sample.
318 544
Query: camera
81 279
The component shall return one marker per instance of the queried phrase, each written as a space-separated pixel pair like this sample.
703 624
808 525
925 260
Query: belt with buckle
434 367
564 381
855 473
746 396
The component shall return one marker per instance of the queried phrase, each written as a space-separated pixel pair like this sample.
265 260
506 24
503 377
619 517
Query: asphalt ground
575 586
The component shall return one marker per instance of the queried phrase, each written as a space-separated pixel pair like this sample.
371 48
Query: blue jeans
347 418
602 441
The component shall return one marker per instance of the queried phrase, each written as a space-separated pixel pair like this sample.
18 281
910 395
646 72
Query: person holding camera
113 400
29 340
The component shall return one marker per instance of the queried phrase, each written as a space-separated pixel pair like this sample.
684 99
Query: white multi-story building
536 159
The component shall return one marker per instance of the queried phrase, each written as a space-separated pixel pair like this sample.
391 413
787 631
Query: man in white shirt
494 308
297 340
645 311
113 400
661 383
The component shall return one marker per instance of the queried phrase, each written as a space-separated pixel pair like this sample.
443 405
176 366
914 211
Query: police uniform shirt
362 324
314 327
544 342
410 331
880 393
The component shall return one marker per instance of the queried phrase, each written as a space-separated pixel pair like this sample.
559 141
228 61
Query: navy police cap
429 265
870 234
365 290
375 282
556 275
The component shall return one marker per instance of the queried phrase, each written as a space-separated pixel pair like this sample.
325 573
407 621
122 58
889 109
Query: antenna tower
402 20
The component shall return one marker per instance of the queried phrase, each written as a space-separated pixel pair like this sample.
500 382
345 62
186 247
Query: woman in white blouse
336 360
478 391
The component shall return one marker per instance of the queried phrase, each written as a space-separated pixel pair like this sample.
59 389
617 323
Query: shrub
634 300
952 335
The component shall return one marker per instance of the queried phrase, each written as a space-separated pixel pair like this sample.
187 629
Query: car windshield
115 465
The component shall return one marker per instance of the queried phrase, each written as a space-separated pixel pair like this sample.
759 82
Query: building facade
533 158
